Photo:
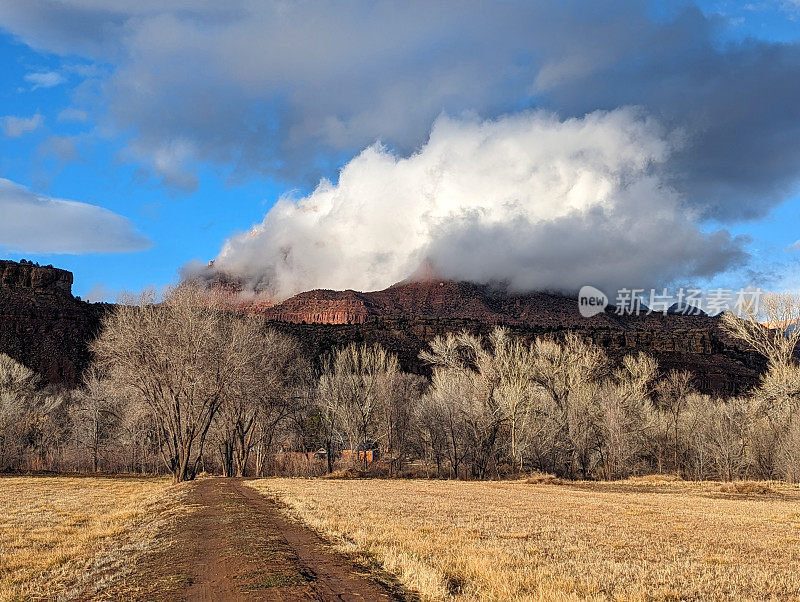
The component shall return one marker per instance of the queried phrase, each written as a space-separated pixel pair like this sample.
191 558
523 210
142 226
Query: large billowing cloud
297 87
531 200
33 223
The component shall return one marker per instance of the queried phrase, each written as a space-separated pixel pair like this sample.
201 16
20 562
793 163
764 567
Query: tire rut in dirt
234 544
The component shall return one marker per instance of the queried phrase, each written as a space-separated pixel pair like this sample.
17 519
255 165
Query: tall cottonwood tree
18 387
674 391
258 404
185 359
478 390
354 384
773 330
95 414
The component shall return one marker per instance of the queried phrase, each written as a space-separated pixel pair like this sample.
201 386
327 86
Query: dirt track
234 544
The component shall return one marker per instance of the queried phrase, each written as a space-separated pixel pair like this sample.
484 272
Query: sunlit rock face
404 317
43 326
42 279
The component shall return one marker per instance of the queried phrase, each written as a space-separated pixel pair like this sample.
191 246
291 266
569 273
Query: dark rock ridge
462 301
46 328
405 316
42 325
30 276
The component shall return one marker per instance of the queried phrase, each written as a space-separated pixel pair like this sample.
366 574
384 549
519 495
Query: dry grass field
55 532
641 539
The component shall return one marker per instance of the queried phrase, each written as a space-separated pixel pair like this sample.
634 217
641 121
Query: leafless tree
34 426
774 332
464 390
772 328
626 419
674 390
18 384
353 384
443 411
257 404
95 415
567 372
184 359
515 390
402 394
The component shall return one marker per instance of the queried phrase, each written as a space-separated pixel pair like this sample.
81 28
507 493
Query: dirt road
234 544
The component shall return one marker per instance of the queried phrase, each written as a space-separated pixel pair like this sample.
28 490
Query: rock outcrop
40 279
322 307
405 316
46 328
42 325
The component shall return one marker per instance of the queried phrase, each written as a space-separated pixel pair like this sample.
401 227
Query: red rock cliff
42 325
41 279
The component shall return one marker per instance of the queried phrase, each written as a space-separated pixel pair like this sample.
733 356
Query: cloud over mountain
529 199
682 127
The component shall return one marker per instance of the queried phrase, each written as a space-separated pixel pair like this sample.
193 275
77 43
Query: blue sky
182 226
183 122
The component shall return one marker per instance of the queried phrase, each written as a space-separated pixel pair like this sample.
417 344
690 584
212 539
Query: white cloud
14 127
33 223
528 199
72 114
63 148
98 293
45 79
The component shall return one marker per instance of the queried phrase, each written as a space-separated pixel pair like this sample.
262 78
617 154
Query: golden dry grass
641 539
53 530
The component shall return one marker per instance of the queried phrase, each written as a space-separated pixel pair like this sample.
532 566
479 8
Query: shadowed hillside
405 316
46 328
42 325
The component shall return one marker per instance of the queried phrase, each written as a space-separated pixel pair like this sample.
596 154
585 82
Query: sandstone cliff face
405 316
322 307
42 325
46 328
432 299
40 279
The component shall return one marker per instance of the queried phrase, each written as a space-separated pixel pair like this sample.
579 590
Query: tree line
183 387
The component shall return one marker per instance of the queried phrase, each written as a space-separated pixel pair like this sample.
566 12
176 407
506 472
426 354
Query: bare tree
330 402
462 393
352 387
625 415
773 332
18 385
772 329
568 373
443 412
34 426
515 390
95 415
402 393
674 391
726 436
184 359
258 402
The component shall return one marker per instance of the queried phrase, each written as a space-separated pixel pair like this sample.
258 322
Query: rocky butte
46 328
41 324
405 316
